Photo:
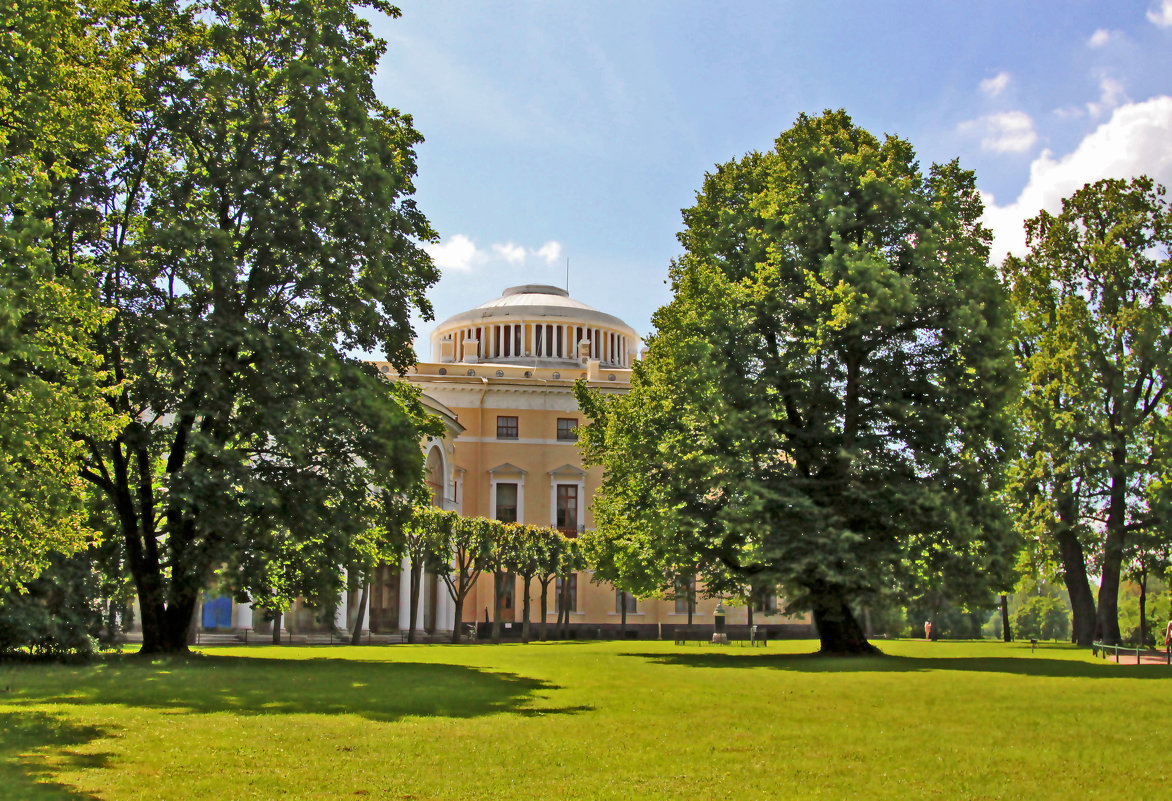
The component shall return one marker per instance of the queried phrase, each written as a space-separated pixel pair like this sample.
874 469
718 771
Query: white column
404 594
445 611
340 622
243 616
420 621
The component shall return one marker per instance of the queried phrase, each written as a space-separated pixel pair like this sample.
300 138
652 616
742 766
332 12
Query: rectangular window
567 508
538 333
622 599
506 502
568 429
764 600
506 427
685 592
573 590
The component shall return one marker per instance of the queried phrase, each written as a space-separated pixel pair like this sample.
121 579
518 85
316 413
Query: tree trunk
415 579
497 605
525 610
459 614
749 607
277 628
544 634
565 633
356 635
623 624
1074 574
838 630
1108 611
177 630
1143 607
1006 632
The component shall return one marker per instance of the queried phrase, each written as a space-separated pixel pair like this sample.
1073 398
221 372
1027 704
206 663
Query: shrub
59 615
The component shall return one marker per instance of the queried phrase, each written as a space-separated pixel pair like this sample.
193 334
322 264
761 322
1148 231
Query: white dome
532 302
564 322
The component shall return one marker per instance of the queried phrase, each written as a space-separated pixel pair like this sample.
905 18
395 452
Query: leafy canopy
822 403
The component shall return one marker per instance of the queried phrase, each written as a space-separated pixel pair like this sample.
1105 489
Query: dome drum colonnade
538 325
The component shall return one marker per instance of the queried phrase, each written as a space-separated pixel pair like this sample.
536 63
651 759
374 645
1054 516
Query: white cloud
459 253
1132 142
1162 15
551 252
995 85
1100 38
1004 132
513 254
1111 94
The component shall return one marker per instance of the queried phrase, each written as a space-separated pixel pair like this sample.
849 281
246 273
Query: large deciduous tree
59 77
1095 343
822 406
260 227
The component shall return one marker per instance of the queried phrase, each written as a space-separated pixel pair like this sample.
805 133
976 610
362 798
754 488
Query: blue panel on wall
217 613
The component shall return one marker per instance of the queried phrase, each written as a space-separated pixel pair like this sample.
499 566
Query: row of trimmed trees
462 549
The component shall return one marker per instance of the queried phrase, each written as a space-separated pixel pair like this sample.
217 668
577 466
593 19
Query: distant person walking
928 629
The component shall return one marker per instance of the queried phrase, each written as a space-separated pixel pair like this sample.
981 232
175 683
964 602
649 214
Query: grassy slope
606 720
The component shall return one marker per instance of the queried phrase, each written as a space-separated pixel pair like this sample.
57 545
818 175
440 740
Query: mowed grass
581 721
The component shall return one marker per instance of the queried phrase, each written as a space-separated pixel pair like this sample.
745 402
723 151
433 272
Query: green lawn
605 720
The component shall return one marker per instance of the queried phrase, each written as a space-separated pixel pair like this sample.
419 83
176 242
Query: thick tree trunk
356 635
1006 631
623 624
525 610
838 630
1074 574
497 605
276 628
1108 611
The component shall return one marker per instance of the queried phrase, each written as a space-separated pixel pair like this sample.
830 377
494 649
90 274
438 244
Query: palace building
501 378
505 371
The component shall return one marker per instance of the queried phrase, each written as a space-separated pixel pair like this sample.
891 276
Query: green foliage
1094 339
822 406
1042 617
58 80
258 228
57 614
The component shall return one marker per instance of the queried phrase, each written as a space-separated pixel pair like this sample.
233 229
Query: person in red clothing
928 629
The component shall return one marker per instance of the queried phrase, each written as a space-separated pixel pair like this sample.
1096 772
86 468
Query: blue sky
563 130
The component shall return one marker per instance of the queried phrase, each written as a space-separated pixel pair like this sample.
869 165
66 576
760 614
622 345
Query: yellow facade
506 372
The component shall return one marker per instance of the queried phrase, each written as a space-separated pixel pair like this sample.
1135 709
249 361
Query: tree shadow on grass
1025 665
24 735
377 691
